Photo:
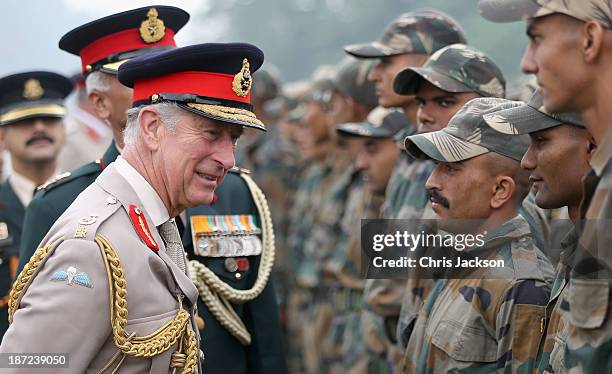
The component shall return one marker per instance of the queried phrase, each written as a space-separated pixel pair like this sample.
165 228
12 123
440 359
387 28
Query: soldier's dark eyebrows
530 31
370 142
444 96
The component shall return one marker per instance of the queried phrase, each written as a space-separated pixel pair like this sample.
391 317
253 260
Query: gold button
88 68
154 97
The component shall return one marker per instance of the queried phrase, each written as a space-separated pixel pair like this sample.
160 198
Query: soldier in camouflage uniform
313 145
407 41
450 78
555 140
569 52
349 98
376 155
490 319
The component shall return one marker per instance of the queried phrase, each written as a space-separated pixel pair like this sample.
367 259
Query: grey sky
31 29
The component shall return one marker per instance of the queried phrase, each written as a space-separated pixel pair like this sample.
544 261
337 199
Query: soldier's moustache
37 138
438 199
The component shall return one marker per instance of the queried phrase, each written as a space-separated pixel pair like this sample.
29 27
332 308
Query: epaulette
92 167
53 180
239 170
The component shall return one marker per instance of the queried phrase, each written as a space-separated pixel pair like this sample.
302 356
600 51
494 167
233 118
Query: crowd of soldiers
199 243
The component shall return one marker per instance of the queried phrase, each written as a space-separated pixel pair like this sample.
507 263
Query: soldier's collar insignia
243 80
152 29
72 276
4 233
142 227
32 89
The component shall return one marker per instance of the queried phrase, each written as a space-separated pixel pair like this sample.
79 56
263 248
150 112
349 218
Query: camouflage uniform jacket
301 215
483 323
551 357
406 198
589 297
326 230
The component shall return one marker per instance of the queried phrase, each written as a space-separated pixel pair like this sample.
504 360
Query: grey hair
170 113
97 81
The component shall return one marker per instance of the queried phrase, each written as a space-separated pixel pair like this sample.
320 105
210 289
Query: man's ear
591 146
503 190
101 104
150 125
2 137
593 40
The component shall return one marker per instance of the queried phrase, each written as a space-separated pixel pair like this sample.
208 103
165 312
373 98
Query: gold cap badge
32 89
242 81
152 29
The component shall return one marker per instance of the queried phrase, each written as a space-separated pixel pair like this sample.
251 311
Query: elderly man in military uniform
570 52
31 126
179 145
103 45
488 318
556 139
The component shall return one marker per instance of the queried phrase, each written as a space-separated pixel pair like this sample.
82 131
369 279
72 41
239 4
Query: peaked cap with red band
105 43
212 80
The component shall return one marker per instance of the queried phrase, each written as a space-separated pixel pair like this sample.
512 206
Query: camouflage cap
381 123
455 68
266 83
422 31
468 135
352 80
321 90
530 117
515 10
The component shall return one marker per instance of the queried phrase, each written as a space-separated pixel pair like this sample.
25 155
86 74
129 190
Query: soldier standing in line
375 158
570 52
313 145
408 41
480 319
450 78
556 139
31 126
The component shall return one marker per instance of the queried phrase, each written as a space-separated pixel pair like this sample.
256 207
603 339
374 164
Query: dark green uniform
50 202
223 352
11 213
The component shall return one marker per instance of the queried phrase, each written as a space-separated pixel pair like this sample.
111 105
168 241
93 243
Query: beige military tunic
66 303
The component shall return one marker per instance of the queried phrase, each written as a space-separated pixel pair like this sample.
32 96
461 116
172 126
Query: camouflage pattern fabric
552 356
515 10
422 31
455 68
346 338
589 294
484 324
301 219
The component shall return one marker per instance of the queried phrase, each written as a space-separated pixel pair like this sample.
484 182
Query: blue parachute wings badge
72 276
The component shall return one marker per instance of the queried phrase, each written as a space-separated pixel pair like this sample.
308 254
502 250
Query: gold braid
27 274
149 345
217 294
137 346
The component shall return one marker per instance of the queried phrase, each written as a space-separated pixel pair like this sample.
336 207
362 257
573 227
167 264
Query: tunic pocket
464 343
588 302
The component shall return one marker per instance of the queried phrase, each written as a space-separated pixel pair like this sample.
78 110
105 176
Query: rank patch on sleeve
226 235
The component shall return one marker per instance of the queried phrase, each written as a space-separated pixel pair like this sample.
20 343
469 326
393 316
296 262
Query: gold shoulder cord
218 295
176 330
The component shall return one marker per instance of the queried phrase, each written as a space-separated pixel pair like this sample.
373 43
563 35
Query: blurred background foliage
299 35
